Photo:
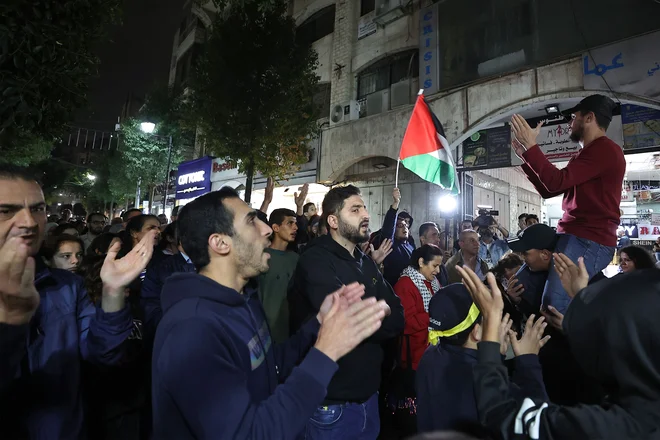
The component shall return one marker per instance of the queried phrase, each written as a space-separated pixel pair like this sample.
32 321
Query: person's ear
476 333
333 222
220 244
420 262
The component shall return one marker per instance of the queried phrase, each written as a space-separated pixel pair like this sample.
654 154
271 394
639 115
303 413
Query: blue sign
429 59
194 178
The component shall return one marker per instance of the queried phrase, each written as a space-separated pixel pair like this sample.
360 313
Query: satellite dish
337 113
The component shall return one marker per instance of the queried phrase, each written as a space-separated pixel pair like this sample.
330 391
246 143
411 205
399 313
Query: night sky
137 57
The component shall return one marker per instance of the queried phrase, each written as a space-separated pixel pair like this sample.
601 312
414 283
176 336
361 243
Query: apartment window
367 6
321 100
382 74
317 26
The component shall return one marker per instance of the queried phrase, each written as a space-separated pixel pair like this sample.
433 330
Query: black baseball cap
538 236
451 310
599 104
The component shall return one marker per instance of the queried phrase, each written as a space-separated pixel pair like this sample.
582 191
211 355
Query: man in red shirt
591 186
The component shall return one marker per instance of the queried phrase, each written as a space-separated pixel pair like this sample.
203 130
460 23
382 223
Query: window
382 74
367 6
322 100
317 26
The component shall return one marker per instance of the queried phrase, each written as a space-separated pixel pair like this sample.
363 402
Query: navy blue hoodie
402 250
216 371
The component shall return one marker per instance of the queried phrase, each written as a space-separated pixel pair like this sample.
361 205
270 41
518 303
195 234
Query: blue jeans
348 421
596 258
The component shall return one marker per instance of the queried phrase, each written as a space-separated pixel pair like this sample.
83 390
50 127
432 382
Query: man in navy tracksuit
216 372
48 324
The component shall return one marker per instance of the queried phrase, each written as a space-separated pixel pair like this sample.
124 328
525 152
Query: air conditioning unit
348 111
404 92
388 11
378 102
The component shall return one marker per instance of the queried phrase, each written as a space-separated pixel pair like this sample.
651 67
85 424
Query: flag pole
396 176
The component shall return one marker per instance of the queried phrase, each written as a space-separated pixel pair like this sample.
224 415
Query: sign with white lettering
193 178
366 25
429 57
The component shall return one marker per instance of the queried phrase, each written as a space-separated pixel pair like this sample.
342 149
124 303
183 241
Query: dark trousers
348 421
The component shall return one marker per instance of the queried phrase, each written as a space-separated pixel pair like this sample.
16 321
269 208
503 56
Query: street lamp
91 177
148 128
447 205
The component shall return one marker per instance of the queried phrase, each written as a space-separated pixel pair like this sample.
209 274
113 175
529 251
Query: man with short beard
350 408
590 183
95 225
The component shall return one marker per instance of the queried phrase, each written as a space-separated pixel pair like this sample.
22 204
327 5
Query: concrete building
481 62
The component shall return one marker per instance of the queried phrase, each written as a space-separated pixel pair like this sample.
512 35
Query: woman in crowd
416 286
634 258
117 397
64 252
168 241
136 228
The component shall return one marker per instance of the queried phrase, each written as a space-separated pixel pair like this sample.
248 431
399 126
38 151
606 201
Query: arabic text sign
641 126
194 178
367 26
630 66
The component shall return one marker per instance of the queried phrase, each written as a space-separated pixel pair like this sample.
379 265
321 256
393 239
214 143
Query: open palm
573 278
119 273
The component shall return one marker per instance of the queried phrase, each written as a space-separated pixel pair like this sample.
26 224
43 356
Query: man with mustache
48 325
590 184
350 408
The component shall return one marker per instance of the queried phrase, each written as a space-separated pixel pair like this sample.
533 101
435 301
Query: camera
485 218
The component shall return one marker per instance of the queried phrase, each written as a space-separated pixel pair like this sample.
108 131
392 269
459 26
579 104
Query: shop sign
641 126
224 170
366 25
193 178
630 66
429 57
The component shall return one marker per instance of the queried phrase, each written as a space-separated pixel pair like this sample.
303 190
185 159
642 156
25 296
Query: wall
323 48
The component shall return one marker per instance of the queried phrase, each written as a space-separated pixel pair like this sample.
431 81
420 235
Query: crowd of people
224 322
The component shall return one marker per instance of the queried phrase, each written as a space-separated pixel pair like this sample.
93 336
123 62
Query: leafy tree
46 59
251 95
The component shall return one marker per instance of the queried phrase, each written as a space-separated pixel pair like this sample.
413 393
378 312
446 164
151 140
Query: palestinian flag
425 150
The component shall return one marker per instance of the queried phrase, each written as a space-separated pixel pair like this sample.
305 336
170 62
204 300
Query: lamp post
448 205
148 128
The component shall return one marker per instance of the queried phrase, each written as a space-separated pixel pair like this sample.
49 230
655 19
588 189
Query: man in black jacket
350 409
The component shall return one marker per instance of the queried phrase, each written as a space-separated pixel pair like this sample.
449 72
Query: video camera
485 218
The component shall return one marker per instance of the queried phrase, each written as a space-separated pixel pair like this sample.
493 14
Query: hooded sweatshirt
613 329
402 250
216 371
324 268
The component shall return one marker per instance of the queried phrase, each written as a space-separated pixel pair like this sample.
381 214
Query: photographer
491 249
486 218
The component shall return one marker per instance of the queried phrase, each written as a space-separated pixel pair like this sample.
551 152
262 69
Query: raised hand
349 294
396 197
345 326
299 197
518 148
532 339
505 328
382 252
573 278
118 274
489 301
554 318
19 298
515 290
525 134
